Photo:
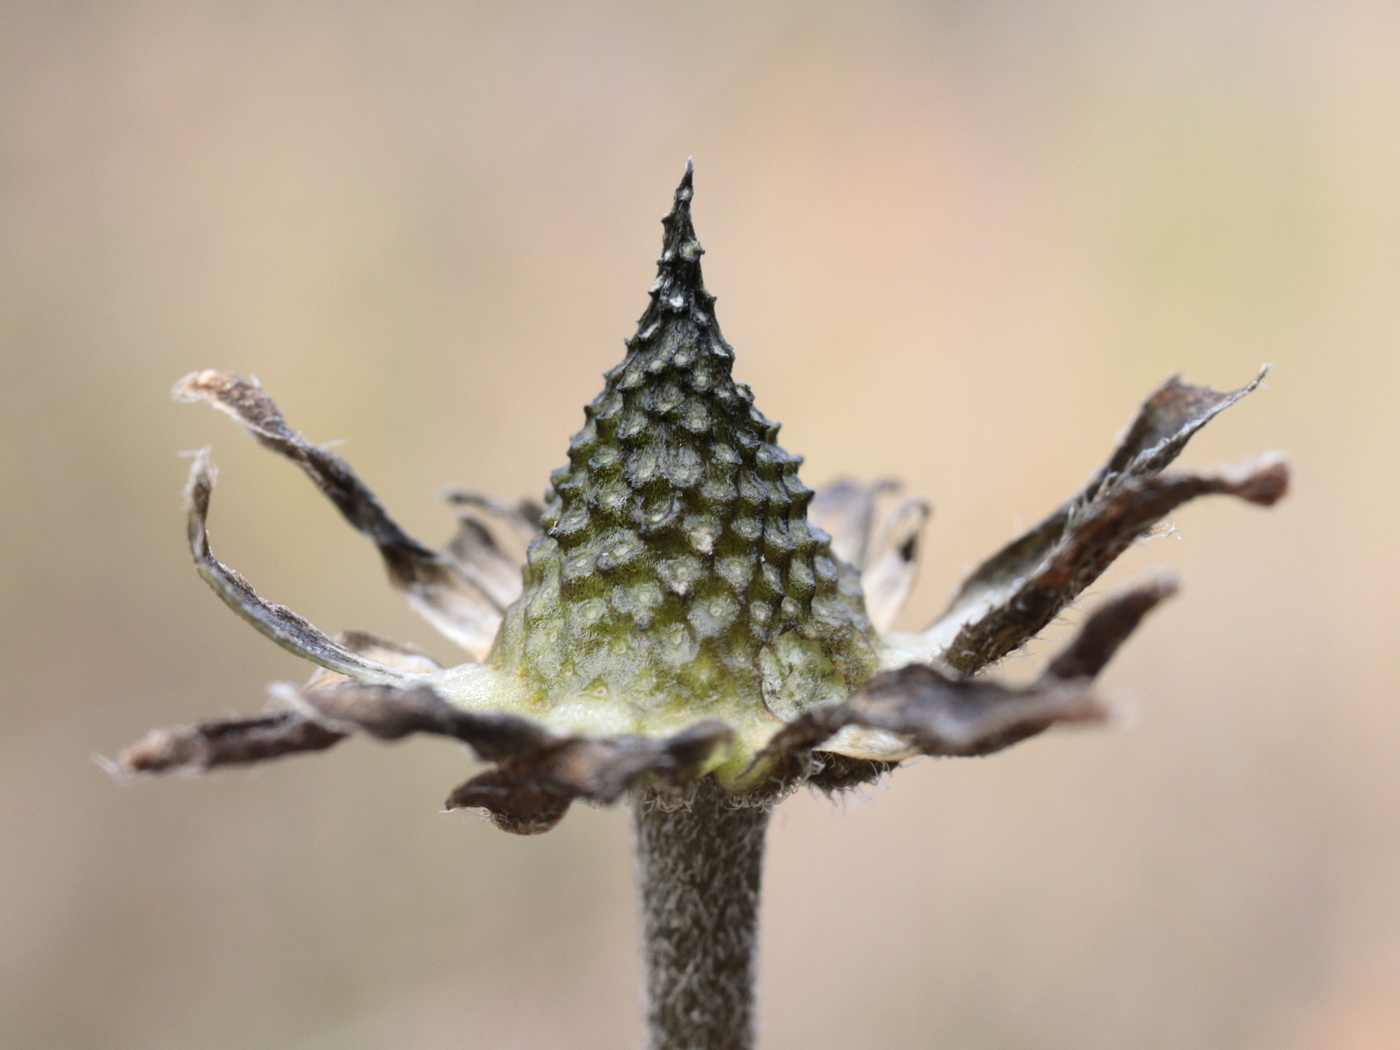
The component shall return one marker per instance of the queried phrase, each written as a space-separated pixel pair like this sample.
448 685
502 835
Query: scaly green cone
677 576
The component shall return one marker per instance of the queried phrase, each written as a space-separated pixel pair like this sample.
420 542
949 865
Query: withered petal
522 515
1001 615
1167 420
434 585
323 712
845 511
1108 627
224 742
942 715
522 791
401 656
1017 591
389 713
492 562
276 622
892 560
514 804
878 534
959 717
939 715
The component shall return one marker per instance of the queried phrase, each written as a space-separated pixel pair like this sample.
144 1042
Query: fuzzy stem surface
699 869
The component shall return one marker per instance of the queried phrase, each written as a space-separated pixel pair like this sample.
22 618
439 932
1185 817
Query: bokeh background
953 242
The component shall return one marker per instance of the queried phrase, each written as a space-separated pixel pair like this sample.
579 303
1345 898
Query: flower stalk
699 863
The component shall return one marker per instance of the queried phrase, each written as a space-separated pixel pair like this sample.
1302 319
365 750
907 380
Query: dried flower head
688 608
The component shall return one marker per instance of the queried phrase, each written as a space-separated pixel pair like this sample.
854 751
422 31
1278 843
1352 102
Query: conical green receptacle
677 577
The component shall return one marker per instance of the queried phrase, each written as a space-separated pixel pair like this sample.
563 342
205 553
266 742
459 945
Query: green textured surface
677 576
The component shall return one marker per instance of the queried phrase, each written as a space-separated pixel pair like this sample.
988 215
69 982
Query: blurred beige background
953 242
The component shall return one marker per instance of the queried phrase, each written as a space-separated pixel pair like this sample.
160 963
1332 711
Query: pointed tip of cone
680 208
679 282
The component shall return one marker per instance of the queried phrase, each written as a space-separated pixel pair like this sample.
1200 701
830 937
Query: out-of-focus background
953 242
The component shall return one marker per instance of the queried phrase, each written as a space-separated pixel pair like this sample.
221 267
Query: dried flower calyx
687 607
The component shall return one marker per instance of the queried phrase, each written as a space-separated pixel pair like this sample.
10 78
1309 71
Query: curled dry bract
456 595
1020 589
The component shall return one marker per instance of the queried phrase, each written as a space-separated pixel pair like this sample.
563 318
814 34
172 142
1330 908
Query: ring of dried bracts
686 608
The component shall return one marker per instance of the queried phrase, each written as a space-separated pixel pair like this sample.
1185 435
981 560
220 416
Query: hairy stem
699 865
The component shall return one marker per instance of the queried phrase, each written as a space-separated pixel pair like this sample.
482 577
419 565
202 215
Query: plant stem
699 866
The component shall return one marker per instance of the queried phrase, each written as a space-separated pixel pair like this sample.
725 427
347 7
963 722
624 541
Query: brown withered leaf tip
921 693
